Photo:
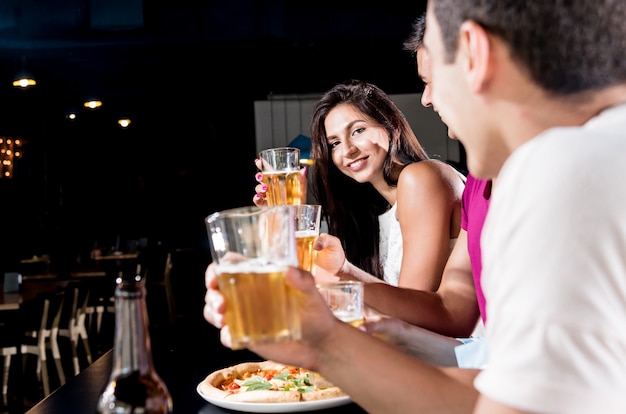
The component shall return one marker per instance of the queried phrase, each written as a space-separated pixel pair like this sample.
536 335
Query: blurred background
186 73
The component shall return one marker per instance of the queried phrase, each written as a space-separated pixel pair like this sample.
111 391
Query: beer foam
250 266
305 233
287 171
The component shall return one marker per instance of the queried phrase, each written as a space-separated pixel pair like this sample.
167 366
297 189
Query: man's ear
475 50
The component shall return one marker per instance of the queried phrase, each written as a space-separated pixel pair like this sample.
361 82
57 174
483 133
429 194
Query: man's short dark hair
566 46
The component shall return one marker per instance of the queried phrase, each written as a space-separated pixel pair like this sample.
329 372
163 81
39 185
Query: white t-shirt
554 275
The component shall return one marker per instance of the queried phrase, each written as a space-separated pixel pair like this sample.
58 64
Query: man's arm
378 376
452 310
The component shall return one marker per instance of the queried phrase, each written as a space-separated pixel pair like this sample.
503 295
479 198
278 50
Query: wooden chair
157 270
41 318
9 343
73 323
7 354
100 300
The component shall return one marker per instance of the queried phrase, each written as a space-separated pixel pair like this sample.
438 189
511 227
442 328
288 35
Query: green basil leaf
254 380
259 386
283 376
303 390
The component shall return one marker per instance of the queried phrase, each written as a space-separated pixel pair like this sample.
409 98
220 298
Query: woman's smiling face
358 145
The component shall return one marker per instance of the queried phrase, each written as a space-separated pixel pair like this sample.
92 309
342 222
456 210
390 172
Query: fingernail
259 176
256 160
264 188
257 196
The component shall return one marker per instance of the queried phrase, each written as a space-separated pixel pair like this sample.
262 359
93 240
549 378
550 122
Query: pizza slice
269 382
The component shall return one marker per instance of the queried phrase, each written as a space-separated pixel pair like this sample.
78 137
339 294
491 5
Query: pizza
268 382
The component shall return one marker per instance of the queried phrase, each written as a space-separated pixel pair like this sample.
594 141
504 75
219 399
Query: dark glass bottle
134 386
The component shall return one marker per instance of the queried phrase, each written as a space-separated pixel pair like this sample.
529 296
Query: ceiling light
23 78
93 104
24 82
124 122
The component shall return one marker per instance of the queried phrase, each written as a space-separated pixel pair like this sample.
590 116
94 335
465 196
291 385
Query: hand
330 256
316 318
214 305
260 189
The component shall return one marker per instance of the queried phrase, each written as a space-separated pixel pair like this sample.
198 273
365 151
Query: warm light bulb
124 123
93 104
24 83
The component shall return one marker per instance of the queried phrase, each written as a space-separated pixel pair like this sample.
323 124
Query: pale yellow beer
260 306
353 318
252 248
284 187
304 246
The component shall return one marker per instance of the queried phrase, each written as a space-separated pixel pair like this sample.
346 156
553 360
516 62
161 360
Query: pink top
475 203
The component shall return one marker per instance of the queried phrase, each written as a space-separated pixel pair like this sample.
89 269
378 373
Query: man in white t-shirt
539 90
544 110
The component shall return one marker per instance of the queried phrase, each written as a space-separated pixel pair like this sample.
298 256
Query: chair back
42 314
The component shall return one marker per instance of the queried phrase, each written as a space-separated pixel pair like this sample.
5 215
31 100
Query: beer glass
282 176
252 248
307 217
345 299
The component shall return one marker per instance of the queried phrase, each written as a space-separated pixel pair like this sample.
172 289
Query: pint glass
307 217
345 299
282 176
252 248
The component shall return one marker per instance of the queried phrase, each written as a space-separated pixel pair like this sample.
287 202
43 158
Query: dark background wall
187 72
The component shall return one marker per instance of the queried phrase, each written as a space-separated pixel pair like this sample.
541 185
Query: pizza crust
332 392
265 396
212 383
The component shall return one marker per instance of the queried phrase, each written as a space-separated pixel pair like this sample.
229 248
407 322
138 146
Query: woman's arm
429 200
452 310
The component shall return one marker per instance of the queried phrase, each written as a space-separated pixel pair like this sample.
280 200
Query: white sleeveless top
390 245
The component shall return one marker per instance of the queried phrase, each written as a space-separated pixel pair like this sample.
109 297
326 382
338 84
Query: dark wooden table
31 287
184 354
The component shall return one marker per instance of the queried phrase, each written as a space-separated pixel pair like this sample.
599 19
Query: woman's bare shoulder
430 170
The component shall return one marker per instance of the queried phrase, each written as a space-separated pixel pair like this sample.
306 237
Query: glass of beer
307 217
252 248
345 300
282 176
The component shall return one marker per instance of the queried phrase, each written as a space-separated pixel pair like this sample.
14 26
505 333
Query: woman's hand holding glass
260 189
330 256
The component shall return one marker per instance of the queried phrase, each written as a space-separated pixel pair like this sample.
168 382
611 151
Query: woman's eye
358 131
333 144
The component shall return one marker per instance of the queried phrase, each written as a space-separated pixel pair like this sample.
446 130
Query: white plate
288 407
